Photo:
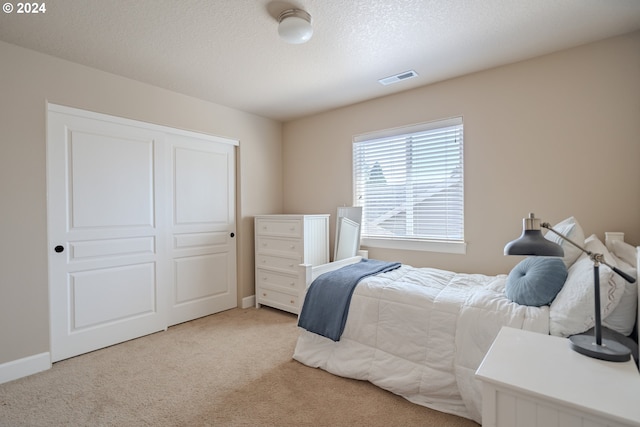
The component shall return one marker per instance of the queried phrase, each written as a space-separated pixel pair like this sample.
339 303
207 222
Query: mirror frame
347 241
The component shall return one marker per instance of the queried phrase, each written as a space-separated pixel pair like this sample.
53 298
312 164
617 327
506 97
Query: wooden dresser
282 243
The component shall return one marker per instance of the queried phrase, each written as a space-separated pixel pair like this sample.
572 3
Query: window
409 183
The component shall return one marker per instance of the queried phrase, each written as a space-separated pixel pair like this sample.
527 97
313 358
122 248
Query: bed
421 333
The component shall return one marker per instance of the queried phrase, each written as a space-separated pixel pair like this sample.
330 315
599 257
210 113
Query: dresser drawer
272 279
280 300
273 227
268 261
287 247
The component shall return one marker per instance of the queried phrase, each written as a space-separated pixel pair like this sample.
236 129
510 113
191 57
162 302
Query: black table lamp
532 242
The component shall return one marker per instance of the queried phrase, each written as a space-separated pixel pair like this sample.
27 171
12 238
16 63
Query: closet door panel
202 228
105 233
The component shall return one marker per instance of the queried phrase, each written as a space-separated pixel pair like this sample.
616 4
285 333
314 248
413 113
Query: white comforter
421 333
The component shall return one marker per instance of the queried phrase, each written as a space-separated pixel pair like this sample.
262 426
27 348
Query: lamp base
609 350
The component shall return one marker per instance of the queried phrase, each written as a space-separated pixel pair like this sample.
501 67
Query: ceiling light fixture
295 26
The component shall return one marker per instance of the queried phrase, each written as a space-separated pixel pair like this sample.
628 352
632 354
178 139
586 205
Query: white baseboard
249 301
24 367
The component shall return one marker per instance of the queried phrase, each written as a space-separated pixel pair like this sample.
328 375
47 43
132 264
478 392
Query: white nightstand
531 379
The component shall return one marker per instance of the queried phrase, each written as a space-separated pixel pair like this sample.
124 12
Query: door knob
232 235
59 248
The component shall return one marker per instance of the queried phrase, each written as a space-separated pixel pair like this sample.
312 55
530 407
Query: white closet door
135 235
105 255
202 239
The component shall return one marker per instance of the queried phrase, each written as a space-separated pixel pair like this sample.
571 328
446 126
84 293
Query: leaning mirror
347 232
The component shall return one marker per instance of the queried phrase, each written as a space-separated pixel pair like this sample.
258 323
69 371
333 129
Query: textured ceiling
228 51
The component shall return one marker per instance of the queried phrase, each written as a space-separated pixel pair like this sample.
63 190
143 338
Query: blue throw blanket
326 305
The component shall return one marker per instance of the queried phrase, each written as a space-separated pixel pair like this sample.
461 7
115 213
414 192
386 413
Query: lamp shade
532 242
295 26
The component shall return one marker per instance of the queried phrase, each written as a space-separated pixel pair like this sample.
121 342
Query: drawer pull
264 294
291 301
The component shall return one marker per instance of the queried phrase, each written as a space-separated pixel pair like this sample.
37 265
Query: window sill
412 245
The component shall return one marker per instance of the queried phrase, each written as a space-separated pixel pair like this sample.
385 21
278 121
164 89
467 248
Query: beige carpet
229 369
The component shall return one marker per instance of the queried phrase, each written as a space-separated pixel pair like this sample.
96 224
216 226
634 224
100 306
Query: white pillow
625 252
623 317
573 311
570 228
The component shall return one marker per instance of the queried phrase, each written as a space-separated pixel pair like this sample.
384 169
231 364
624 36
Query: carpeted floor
230 369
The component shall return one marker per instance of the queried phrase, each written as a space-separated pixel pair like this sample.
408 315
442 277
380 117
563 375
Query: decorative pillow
625 252
570 228
536 281
573 310
623 317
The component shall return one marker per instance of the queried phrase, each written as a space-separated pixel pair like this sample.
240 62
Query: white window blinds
409 182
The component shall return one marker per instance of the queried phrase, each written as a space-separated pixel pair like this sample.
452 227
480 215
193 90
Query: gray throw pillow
536 281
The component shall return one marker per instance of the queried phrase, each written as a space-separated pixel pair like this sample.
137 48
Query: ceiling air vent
398 77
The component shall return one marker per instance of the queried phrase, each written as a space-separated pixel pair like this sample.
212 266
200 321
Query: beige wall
27 81
558 135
